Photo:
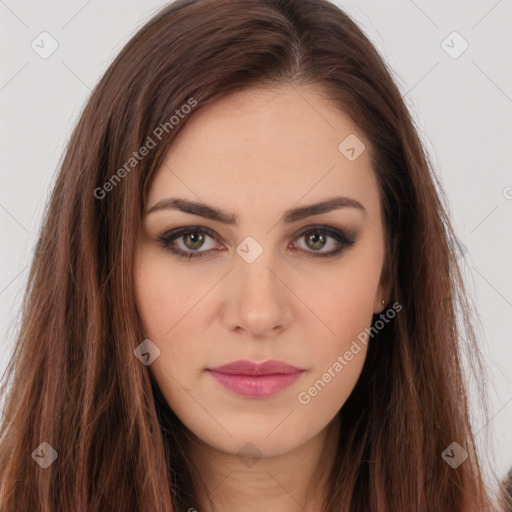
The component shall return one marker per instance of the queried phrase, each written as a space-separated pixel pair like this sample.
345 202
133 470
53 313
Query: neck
290 482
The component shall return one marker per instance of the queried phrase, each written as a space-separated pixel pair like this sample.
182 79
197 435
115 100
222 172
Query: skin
257 153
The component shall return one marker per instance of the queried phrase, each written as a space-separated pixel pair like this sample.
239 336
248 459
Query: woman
245 290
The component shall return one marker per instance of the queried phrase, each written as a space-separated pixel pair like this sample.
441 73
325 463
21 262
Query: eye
191 239
186 242
317 238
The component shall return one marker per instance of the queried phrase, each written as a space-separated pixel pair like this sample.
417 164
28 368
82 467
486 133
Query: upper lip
245 367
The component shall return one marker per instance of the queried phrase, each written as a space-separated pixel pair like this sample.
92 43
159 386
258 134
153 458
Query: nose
258 298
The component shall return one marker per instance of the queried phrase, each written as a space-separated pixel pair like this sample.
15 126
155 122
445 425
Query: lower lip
256 385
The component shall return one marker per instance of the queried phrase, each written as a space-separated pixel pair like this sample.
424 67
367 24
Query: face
298 287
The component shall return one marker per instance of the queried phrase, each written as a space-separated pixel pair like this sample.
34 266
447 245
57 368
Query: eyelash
166 240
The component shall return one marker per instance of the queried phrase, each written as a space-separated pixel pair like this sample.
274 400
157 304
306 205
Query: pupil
198 240
318 240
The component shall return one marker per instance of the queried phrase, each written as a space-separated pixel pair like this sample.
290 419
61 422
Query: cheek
346 306
159 298
339 358
163 314
346 310
152 304
166 309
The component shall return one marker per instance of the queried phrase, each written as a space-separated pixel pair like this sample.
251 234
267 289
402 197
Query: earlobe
379 306
382 297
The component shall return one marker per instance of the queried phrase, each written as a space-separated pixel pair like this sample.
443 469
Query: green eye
193 238
317 237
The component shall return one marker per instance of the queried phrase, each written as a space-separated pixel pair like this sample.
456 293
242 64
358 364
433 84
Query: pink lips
249 378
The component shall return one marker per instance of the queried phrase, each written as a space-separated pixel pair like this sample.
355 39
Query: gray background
462 107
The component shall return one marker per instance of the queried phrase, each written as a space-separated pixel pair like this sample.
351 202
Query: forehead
261 145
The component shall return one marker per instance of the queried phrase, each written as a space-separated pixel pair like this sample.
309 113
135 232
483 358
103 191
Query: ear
383 294
385 288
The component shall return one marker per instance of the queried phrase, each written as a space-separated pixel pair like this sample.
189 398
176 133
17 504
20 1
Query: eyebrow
289 216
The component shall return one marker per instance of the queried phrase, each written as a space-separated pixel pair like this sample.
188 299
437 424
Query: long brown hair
73 379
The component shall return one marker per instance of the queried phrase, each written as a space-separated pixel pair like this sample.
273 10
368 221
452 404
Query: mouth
257 380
